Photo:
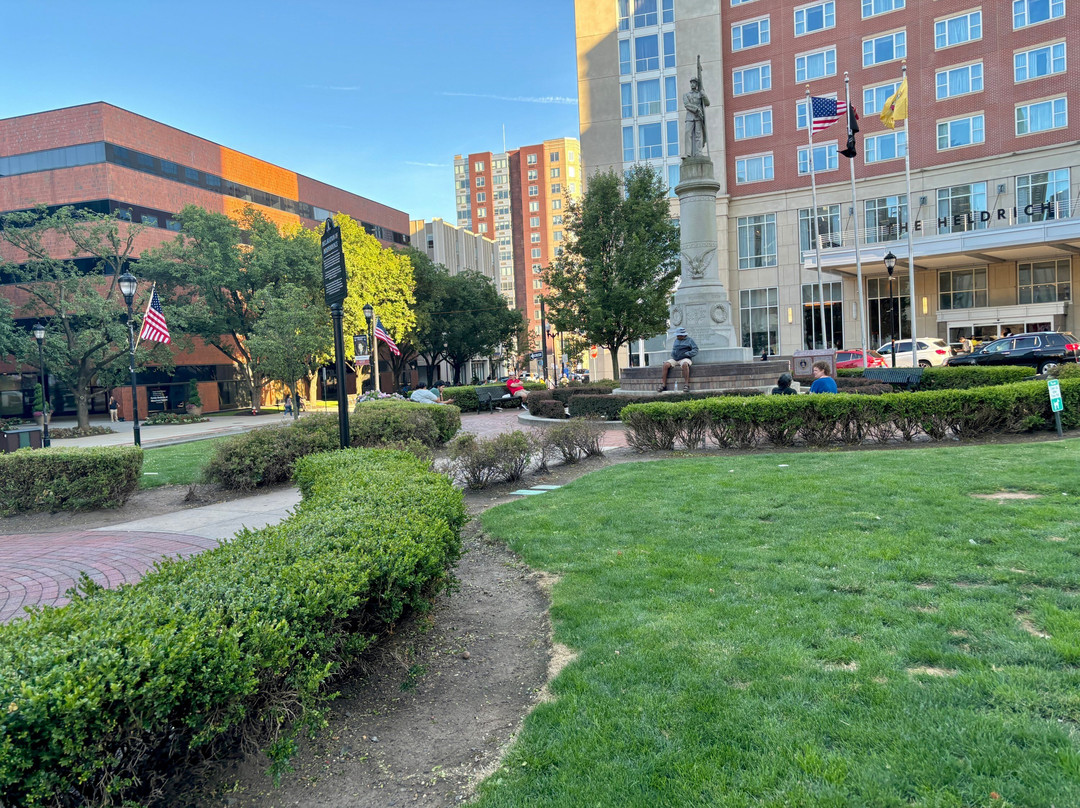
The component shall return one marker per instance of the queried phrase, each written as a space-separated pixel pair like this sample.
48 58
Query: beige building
455 248
994 163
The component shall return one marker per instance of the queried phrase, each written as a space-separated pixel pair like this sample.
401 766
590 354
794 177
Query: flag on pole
853 126
153 324
896 106
825 112
380 333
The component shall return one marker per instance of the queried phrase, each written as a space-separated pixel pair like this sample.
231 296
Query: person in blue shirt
823 382
682 352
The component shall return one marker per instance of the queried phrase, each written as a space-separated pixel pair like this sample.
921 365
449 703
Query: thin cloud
427 165
525 99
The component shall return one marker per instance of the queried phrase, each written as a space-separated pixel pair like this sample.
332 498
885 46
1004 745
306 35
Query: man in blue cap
682 352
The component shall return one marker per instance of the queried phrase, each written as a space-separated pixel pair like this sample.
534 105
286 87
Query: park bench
909 378
490 396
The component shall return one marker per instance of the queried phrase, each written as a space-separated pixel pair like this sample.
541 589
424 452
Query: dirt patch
1030 627
1001 496
841 666
923 670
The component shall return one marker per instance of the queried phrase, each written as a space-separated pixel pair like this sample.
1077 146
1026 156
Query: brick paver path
36 569
486 425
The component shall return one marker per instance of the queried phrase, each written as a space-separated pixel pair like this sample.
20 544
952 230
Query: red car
853 359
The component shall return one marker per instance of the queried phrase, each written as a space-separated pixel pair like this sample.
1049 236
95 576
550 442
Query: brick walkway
486 425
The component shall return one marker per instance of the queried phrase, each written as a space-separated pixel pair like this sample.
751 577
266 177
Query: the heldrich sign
333 265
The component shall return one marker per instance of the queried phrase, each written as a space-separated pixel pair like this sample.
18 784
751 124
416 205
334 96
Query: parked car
930 352
852 358
1041 350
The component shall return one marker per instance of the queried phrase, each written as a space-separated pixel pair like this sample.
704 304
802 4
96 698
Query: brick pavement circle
37 569
487 425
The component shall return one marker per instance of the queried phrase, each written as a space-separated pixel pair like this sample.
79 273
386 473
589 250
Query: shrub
607 407
104 696
473 459
68 479
163 418
567 392
548 409
1070 370
965 377
534 399
575 439
513 453
193 397
62 432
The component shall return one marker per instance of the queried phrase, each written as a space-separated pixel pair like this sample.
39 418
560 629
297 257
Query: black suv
1041 350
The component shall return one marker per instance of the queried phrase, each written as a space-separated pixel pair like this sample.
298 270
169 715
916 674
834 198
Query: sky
372 96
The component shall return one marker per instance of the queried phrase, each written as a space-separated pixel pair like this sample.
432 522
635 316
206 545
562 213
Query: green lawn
808 629
179 464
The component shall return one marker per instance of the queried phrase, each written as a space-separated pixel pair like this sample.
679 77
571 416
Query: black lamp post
39 335
369 314
446 356
128 285
890 265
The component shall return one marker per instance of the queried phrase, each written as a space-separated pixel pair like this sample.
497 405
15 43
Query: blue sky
375 97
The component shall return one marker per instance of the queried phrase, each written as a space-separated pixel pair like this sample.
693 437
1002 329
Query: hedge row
68 479
823 419
961 377
267 456
102 696
466 400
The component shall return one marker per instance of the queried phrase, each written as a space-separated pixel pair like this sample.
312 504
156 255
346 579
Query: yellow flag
896 106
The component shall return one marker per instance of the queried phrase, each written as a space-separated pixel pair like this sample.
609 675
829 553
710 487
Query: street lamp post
128 285
39 335
890 265
543 337
369 314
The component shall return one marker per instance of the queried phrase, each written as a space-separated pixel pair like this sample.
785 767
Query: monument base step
707 377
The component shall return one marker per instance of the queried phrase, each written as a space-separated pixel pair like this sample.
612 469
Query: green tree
475 318
425 338
614 279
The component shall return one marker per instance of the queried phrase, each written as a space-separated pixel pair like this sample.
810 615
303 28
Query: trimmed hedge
961 377
68 479
102 697
267 456
824 419
607 407
466 400
548 408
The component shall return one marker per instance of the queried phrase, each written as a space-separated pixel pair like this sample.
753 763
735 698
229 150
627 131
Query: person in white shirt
422 395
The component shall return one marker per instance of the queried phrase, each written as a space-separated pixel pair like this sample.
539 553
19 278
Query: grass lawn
808 629
179 464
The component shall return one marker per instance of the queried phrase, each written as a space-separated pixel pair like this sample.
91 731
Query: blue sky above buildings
372 96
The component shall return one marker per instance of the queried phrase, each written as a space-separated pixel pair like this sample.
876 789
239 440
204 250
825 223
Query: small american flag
153 324
826 112
380 333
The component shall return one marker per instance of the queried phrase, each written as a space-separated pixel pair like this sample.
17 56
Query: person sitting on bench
682 352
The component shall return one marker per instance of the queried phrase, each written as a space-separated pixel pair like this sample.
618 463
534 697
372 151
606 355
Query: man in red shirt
516 388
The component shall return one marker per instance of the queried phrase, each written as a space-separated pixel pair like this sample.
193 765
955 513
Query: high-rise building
994 161
456 248
519 198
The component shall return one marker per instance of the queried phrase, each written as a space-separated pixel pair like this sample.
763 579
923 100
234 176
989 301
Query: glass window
650 141
754 169
622 14
672 138
759 318
962 288
757 241
624 57
534 207
669 49
668 7
827 222
1044 61
172 224
958 208
1029 12
556 172
1042 196
834 315
960 132
887 146
648 97
534 238
751 79
872 7
956 30
884 48
481 196
959 81
556 188
825 158
532 175
874 98
534 190
530 159
481 213
886 218
628 144
1041 116
535 252
816 17
750 34
556 204
534 221
815 65
644 13
478 166
671 94
480 182
753 124
149 220
626 91
646 53
672 179
1044 281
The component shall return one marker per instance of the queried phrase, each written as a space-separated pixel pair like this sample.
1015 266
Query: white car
930 352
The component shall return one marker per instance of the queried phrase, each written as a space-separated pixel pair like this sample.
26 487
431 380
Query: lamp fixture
39 332
369 312
890 262
128 284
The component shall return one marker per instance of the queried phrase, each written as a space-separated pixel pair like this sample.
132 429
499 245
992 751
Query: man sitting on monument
682 352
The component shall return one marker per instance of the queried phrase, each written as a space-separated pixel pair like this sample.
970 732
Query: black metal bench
495 395
909 378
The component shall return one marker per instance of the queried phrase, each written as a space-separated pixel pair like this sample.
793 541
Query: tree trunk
614 351
82 407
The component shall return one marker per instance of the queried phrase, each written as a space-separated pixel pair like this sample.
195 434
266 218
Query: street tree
620 264
475 319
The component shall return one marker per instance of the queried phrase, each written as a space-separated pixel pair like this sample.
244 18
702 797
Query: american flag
153 324
826 112
380 333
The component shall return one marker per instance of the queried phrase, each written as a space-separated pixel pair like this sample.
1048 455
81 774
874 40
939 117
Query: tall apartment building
101 158
994 162
519 198
456 248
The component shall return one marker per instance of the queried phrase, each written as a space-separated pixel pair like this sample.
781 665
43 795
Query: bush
503 458
63 432
104 696
164 418
534 399
193 397
64 479
575 439
1070 370
566 392
548 409
965 377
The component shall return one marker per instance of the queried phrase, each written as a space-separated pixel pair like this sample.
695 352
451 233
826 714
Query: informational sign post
1056 404
335 288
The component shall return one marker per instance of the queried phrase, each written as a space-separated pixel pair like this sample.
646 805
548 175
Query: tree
425 338
475 318
614 280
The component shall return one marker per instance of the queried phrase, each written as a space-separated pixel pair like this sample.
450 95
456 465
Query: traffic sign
1055 395
536 355
333 265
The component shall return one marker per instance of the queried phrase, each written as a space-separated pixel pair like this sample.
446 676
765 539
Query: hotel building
455 248
994 162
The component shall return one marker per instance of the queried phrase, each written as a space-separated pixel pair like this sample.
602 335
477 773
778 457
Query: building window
957 30
478 167
554 157
672 179
884 48
874 98
479 182
757 241
669 49
668 8
827 223
537 283
671 94
532 175
535 252
672 138
1044 281
759 318
880 306
648 97
834 316
556 220
1037 62
753 124
149 220
1042 196
534 190
815 65
816 17
751 79
754 169
1029 12
556 204
960 132
555 172
872 7
534 238
628 144
750 34
481 196
537 269
825 158
622 13
650 143
624 57
959 81
646 53
534 207
558 235
958 208
644 13
626 92
481 213
962 289
530 159
482 227
534 221
123 214
887 146
886 218
1041 116
556 188
172 224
